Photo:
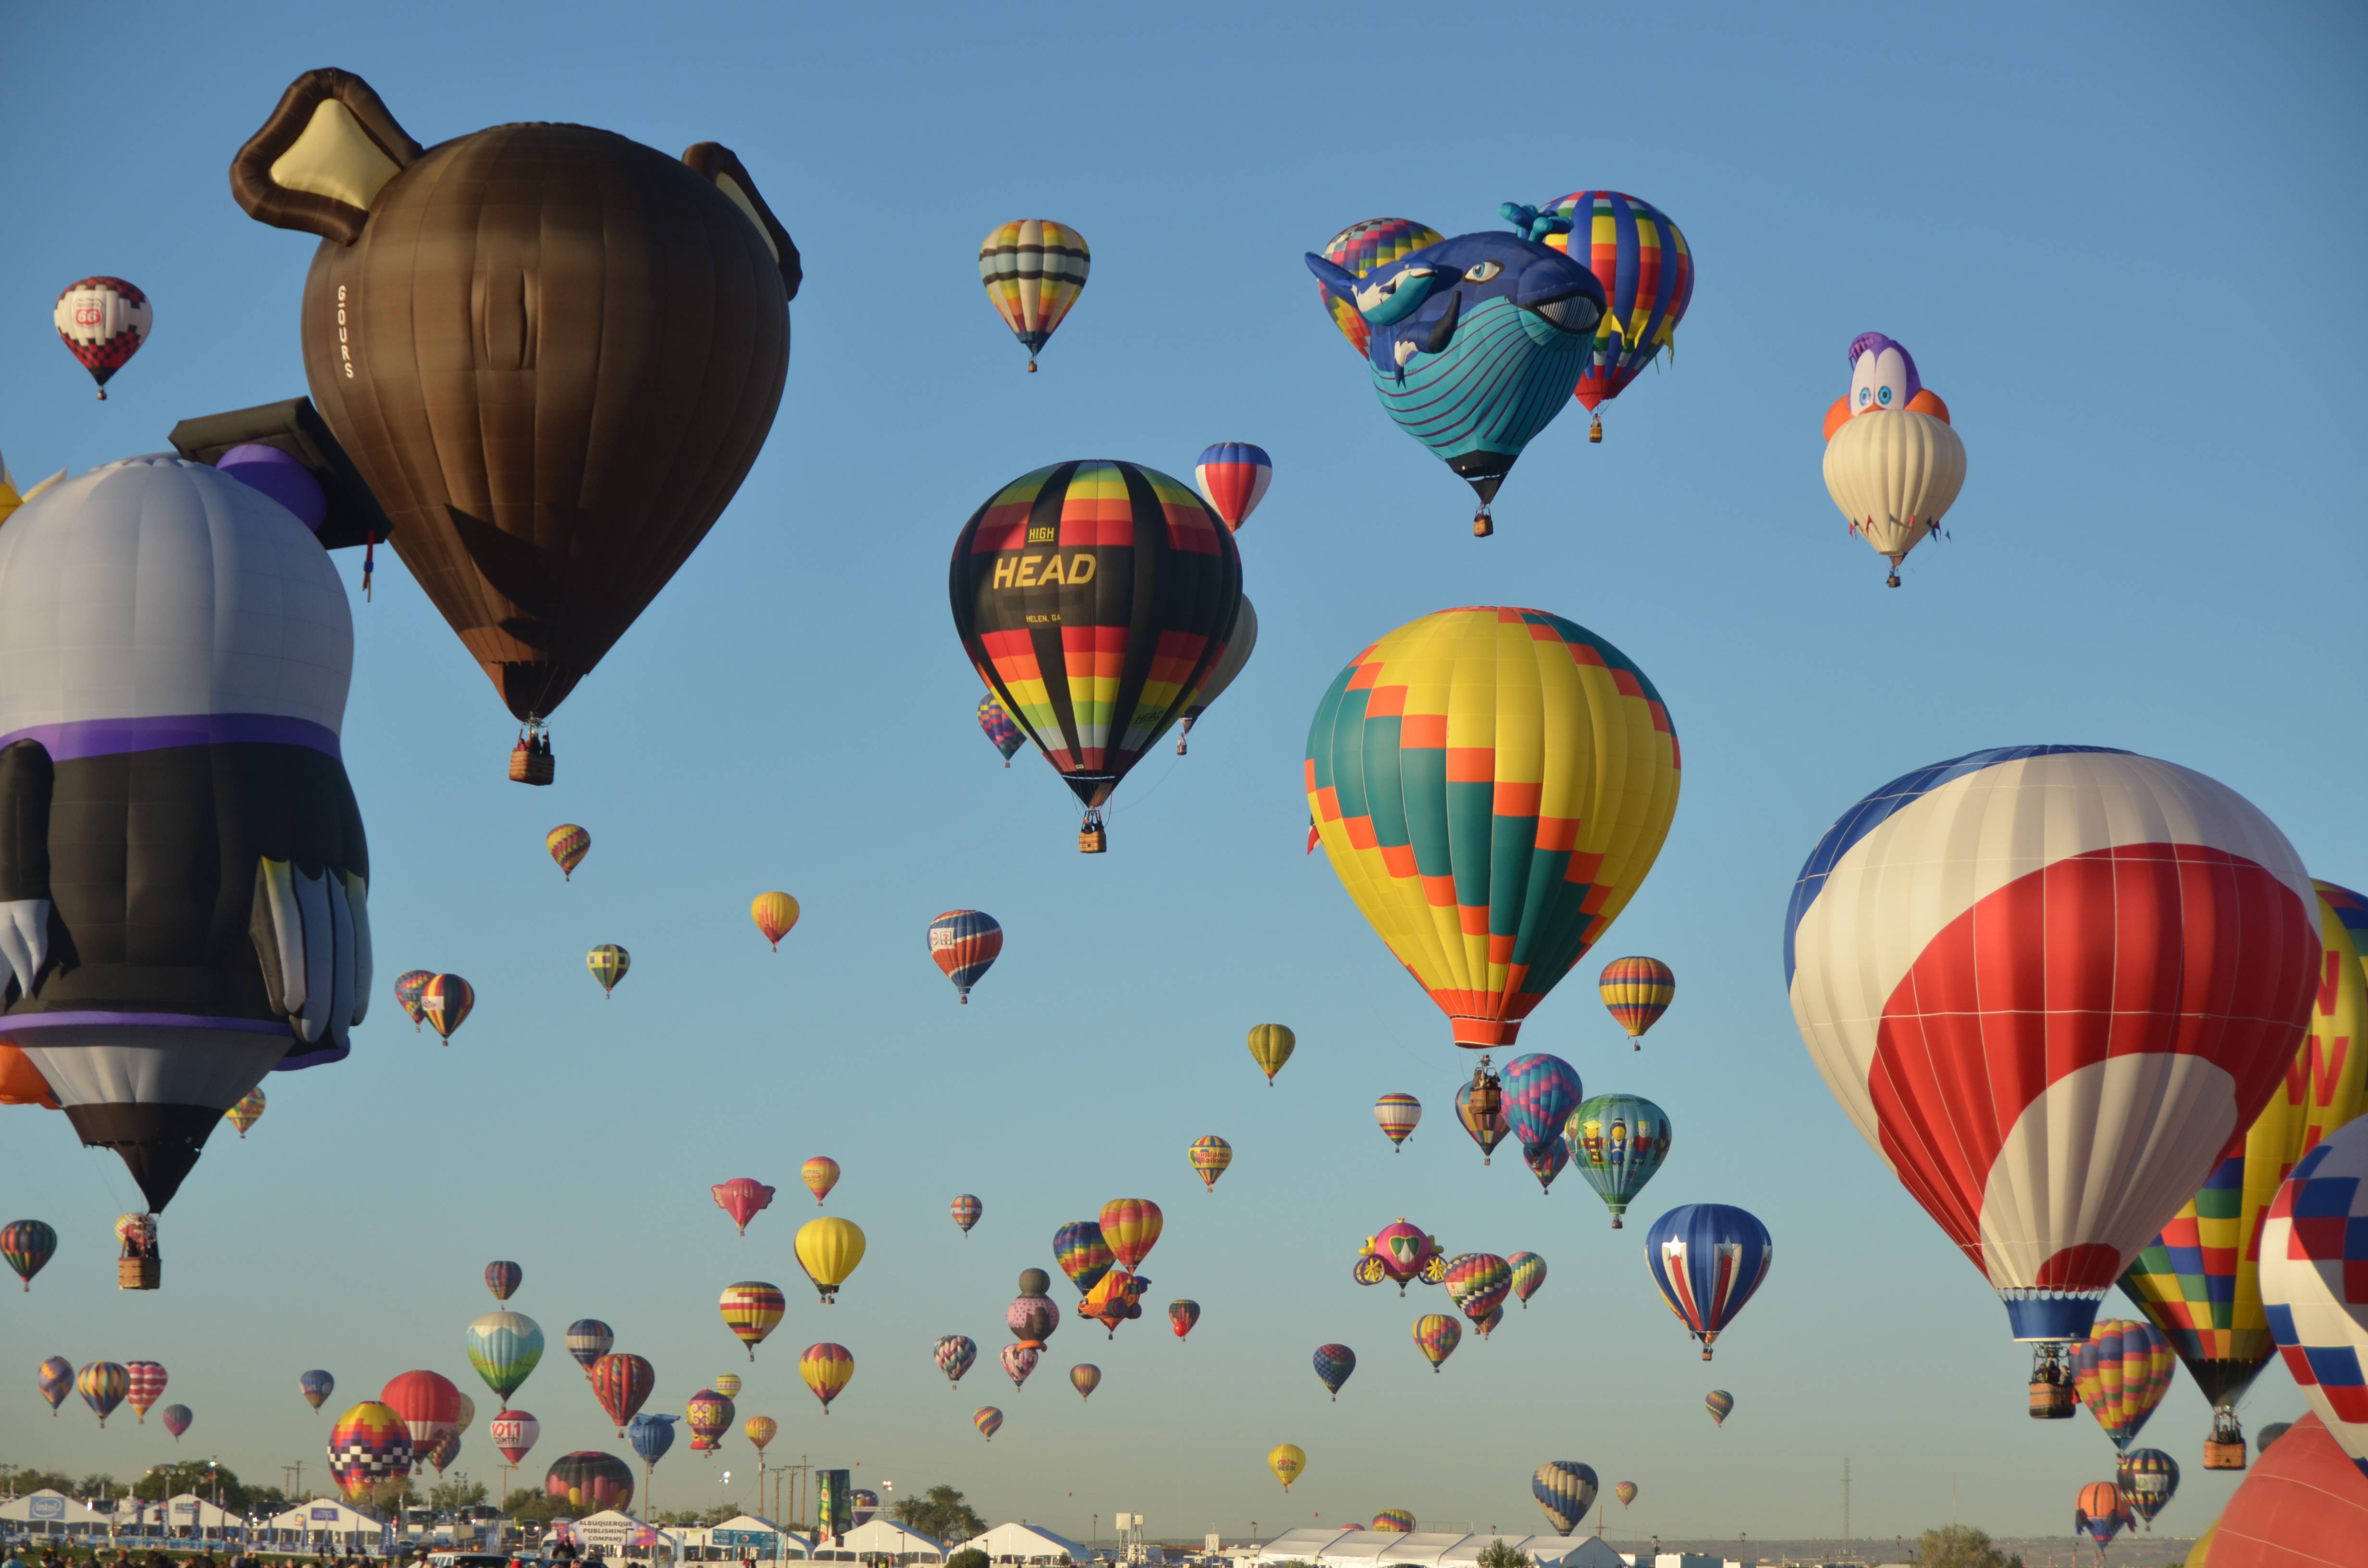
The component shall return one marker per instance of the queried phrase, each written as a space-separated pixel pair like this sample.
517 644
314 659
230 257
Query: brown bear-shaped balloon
552 352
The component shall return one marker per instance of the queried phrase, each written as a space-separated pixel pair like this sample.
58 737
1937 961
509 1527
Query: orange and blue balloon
965 944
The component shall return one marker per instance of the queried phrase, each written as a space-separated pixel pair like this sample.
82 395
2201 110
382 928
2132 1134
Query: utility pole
1846 1534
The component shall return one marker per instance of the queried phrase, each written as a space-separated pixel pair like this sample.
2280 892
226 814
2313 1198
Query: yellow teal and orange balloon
1211 1155
1491 785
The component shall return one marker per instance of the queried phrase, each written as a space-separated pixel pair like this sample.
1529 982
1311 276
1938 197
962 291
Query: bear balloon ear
322 158
721 167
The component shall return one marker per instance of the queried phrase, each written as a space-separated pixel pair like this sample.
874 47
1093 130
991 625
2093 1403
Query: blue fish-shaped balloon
1476 341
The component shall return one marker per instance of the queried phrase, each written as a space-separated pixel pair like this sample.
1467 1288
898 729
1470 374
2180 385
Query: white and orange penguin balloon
1893 463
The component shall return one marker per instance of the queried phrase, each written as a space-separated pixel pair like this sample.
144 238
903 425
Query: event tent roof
1026 1543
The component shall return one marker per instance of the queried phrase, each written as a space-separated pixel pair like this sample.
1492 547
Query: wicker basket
1092 840
140 1273
2223 1456
2053 1402
529 767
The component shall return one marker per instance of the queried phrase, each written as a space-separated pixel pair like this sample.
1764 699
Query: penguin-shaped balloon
184 882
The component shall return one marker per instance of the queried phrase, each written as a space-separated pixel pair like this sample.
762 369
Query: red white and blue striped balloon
2050 984
2314 1282
1233 477
1708 1258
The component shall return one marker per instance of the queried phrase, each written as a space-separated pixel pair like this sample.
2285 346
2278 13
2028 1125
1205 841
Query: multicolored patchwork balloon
247 1112
1647 273
370 1452
1636 992
1436 1335
1082 1253
997 725
1560 790
955 1353
965 944
2122 1370
1360 249
568 844
2315 1281
1477 1282
1334 1364
408 985
1707 1259
1619 1141
966 1210
1095 597
1034 269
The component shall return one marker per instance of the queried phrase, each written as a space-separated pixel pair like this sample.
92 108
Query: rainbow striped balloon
1034 269
1637 991
1211 1155
568 844
1647 273
1397 1115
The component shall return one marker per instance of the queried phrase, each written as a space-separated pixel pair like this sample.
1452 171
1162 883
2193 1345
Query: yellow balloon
828 1250
1270 1047
774 914
1491 785
1287 1460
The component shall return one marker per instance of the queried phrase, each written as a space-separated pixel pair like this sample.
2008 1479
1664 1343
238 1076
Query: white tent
745 1536
1026 1543
193 1514
1592 1551
1427 1549
1306 1544
325 1523
1545 1551
52 1513
880 1541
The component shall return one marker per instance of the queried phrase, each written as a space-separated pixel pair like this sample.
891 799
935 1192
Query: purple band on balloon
319 1055
81 738
24 1023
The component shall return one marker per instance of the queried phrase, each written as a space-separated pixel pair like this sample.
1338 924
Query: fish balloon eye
1482 271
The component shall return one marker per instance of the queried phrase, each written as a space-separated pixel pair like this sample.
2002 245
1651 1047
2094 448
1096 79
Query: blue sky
2122 244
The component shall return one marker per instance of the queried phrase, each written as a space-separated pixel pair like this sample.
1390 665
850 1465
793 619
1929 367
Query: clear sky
2124 245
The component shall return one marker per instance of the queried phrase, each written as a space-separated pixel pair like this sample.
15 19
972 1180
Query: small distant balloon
607 963
1636 992
247 1112
28 1246
820 1174
446 1002
103 321
568 844
826 1368
1034 269
743 1197
1233 477
407 988
966 1210
316 1386
955 1353
1211 1155
502 1278
177 1419
988 1420
996 724
775 913
965 944
1270 1047
1182 1315
1720 1403
1397 1115
1287 1460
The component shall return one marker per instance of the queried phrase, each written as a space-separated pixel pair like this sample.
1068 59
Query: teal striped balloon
505 1347
1617 1142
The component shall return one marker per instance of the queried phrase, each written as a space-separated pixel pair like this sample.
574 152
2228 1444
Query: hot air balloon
408 985
988 1420
1211 1155
589 1339
865 1506
592 1481
2198 1280
1720 1403
316 1386
446 1002
1403 1250
568 844
1270 1047
177 1419
727 1384
429 1405
828 1250
1648 274
2098 1116
55 1379
467 1415
752 1309
1360 248
145 1020
966 1210
1107 553
143 1386
2271 1433
775 913
1540 1092
1626 1492
955 1353
1473 342
964 944
1034 269
1019 1360
826 1367
2121 1369
1547 1160
1618 1141
1399 1115
1707 1258
600 422
1528 1273
1032 1316
1565 1491
1233 477
1893 465
1334 1363
139 1265
1636 992
502 1278
1576 752
1182 1315
1436 1335
1477 1282
743 1197
820 1174
2100 1512
444 1452
1238 648
996 724
761 1430
103 321
1287 1460
1131 1226
620 1382
247 1112
513 1433
28 1246
505 1347
1083 1254
369 1453
1117 1298
607 963
2147 1479
1394 1521
1488 1130
2314 1279
651 1435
